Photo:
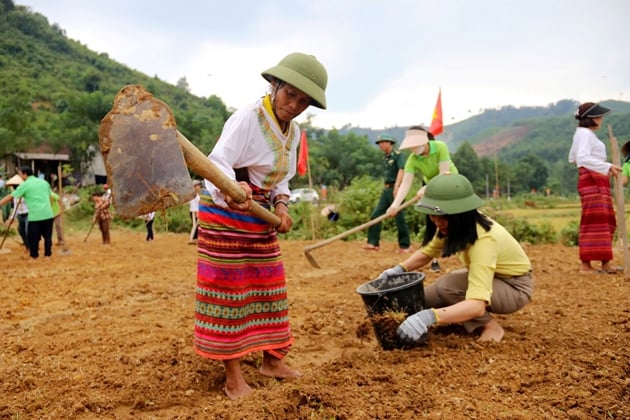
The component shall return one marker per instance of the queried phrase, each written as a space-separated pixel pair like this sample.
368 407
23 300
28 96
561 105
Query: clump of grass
386 325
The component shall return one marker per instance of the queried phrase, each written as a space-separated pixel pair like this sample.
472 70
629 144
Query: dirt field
106 332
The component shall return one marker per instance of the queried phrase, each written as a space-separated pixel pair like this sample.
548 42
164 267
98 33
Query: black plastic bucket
388 302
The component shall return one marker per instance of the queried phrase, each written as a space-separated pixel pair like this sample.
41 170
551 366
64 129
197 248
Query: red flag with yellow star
437 125
302 165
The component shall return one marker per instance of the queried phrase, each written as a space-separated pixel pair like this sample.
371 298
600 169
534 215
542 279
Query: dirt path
106 332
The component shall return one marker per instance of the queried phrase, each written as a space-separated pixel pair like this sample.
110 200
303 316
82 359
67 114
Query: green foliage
569 235
356 204
55 90
526 232
468 164
84 208
337 159
174 219
309 223
529 174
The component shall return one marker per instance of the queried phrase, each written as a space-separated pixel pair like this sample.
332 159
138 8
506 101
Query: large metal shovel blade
143 159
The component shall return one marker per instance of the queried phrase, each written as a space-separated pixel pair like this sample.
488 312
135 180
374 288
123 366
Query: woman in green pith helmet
242 304
497 276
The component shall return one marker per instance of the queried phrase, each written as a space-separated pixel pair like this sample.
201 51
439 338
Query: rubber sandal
612 270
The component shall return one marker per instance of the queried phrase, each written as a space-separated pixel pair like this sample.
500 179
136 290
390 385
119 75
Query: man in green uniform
393 170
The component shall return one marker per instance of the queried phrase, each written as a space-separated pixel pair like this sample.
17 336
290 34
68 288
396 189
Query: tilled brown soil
106 332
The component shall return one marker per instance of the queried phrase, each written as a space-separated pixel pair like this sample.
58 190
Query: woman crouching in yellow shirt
497 277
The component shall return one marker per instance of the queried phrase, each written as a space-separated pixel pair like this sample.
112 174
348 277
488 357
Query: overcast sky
386 60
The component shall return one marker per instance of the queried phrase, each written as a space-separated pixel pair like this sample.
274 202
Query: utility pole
496 176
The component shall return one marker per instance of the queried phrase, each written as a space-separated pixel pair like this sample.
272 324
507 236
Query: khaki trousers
508 294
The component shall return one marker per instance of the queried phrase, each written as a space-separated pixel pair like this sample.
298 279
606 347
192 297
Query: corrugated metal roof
43 156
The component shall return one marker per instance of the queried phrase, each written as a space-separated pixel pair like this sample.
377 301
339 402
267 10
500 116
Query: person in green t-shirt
56 207
625 168
37 194
428 158
393 165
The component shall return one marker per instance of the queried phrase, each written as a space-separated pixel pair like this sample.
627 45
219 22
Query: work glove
385 275
417 325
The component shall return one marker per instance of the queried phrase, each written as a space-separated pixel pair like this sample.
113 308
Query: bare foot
587 268
275 368
492 331
238 391
235 385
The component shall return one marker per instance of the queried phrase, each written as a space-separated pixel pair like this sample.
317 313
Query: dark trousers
103 225
374 232
195 226
23 228
37 230
149 225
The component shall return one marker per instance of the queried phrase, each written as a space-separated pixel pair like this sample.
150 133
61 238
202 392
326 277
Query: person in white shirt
20 213
193 207
148 222
597 221
242 305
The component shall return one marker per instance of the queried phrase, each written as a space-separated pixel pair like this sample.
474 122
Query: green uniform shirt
429 166
392 163
625 169
36 193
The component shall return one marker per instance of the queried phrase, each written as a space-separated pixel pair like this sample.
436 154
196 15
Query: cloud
386 61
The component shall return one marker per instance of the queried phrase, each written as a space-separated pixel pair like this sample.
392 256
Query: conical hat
15 180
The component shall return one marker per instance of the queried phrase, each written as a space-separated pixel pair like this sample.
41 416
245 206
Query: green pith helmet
448 194
303 72
385 137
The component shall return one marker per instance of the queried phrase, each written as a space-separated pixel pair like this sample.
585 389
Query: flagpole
310 185
302 160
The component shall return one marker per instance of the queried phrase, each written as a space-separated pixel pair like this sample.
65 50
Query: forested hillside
55 90
530 144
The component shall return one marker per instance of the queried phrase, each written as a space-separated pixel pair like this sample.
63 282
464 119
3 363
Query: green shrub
174 219
526 232
569 235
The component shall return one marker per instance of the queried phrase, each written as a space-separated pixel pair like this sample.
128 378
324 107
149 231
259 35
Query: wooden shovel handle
201 165
358 228
13 216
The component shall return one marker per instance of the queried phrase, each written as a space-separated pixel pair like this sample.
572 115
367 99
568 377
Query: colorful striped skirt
597 222
241 295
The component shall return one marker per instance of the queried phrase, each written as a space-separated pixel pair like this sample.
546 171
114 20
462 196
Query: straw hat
14 180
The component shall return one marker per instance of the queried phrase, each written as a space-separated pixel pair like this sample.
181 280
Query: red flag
302 165
437 125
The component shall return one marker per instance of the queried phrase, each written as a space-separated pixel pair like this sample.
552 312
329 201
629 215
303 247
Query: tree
337 159
182 83
530 173
16 119
468 164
